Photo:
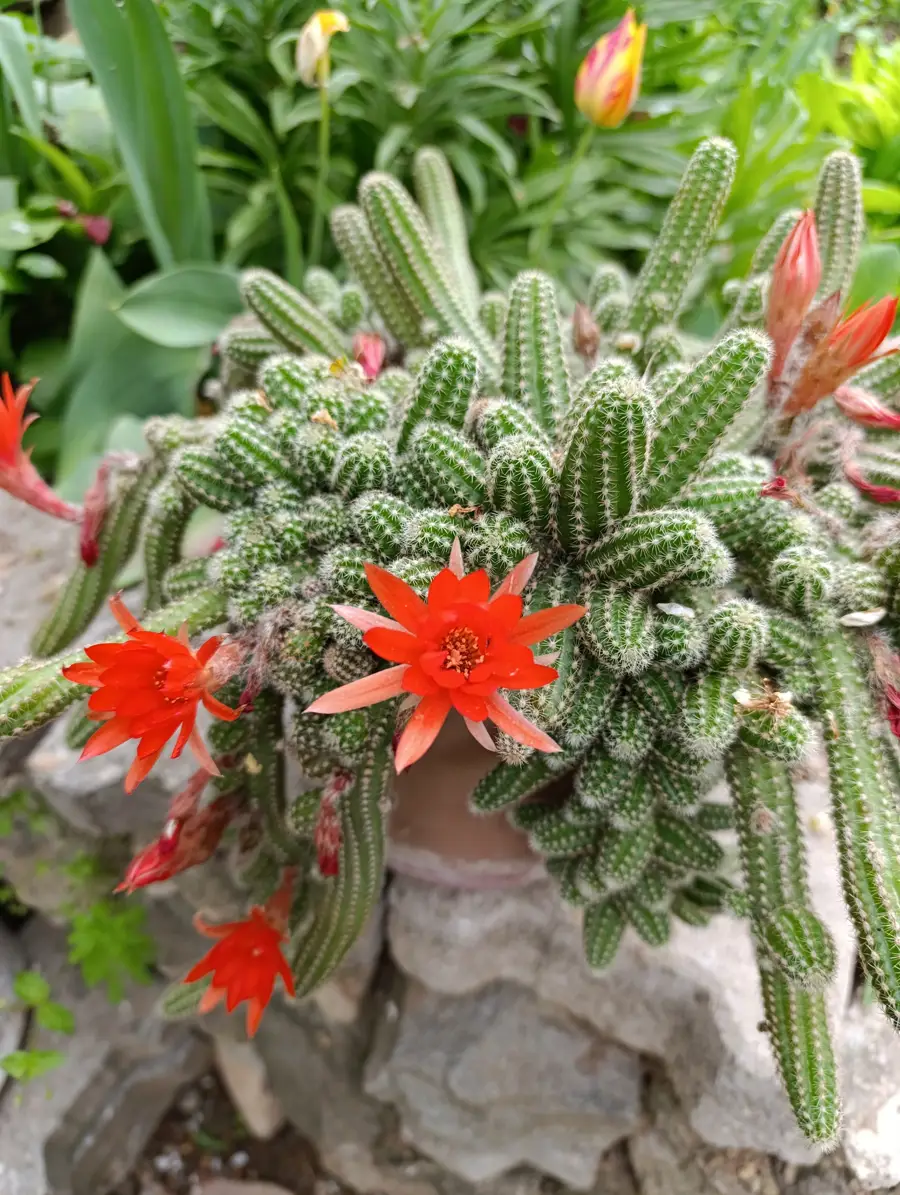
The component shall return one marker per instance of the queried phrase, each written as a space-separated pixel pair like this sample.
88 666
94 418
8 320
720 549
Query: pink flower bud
795 280
96 501
369 351
862 407
886 495
96 228
609 79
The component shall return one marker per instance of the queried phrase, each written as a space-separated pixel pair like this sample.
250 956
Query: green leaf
26 1065
881 197
184 307
40 265
877 275
73 178
234 114
56 1018
135 66
16 68
31 988
19 231
110 945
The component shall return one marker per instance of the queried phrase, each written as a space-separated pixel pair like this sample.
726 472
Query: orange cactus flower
609 79
247 957
150 687
18 475
852 343
454 651
795 280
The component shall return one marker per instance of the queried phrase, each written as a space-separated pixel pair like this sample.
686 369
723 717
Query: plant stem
543 234
318 222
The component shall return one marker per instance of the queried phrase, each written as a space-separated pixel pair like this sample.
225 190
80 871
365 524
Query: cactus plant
732 616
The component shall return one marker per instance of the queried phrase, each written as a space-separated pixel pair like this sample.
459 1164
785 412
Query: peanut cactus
725 626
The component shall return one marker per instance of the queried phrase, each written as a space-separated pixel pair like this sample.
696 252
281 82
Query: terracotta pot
433 835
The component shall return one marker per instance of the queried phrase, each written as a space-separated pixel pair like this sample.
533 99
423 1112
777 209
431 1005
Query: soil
202 1136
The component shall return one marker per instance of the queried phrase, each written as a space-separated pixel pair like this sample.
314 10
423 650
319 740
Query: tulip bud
609 79
312 45
795 280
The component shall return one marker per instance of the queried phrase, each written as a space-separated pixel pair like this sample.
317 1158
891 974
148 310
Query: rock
36 554
694 1002
491 1081
80 1130
871 1088
243 1073
669 1158
12 1015
236 1186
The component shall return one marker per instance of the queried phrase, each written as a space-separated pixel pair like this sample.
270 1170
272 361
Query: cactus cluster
727 630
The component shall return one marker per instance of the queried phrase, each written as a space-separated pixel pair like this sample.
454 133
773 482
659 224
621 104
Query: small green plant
110 944
33 992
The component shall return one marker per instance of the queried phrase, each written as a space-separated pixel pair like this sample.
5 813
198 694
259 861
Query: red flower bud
776 488
795 280
96 501
96 228
886 495
862 407
369 351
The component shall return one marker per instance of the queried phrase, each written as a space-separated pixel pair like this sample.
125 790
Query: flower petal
421 730
535 628
516 580
83 674
475 587
110 735
470 705
479 733
140 769
399 599
532 676
455 563
517 726
444 589
365 620
506 610
359 693
123 615
399 646
218 709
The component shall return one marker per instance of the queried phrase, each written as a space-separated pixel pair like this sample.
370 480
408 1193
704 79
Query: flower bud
369 351
795 280
609 79
862 407
312 45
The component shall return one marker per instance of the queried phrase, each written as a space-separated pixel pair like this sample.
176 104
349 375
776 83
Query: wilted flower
795 280
850 344
312 45
609 79
454 651
585 333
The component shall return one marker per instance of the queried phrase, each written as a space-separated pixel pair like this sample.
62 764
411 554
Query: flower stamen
464 651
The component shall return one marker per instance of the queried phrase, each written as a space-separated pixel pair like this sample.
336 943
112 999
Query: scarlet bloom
369 350
795 279
776 488
247 957
609 79
862 407
454 651
18 475
189 837
885 495
852 343
150 687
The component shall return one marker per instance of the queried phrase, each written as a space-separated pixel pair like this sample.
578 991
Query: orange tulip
609 79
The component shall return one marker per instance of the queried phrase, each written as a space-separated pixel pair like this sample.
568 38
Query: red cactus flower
150 687
189 837
862 407
18 475
454 651
369 350
776 488
795 280
247 957
852 343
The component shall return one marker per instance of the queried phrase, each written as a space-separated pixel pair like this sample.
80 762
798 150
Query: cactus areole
682 564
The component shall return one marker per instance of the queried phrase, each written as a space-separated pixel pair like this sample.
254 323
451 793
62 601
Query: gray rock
243 1074
236 1186
491 1081
694 1002
871 1090
80 1130
12 1015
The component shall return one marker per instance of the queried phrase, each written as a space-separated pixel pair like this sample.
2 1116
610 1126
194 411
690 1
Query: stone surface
78 1131
494 1080
694 1002
12 1015
871 1090
235 1186
243 1074
36 553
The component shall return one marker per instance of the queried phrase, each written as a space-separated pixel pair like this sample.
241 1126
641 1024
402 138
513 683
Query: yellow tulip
312 45
609 79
